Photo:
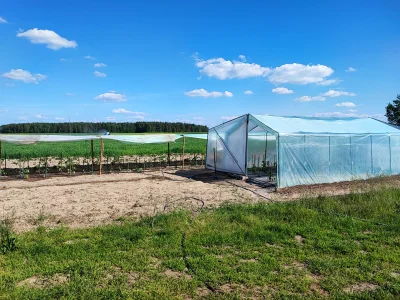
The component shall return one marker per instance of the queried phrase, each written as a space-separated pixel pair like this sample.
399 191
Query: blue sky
200 62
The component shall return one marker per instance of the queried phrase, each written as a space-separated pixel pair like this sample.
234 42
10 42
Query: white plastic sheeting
308 150
27 139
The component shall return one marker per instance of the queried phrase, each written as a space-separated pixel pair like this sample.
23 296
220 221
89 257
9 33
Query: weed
7 236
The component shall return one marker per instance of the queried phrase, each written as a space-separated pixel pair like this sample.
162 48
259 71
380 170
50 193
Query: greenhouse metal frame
291 151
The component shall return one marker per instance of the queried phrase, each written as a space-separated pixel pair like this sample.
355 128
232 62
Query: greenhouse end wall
312 159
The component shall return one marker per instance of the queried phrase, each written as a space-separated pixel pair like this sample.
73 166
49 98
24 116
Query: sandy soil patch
91 200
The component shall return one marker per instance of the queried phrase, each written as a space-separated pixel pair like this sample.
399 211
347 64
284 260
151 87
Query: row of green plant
111 148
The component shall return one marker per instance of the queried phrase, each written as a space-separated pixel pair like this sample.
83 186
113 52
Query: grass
313 248
111 148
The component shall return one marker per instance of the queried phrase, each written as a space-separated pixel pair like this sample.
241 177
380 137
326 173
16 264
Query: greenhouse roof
308 125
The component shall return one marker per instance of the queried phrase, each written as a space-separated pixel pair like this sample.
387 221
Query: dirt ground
89 200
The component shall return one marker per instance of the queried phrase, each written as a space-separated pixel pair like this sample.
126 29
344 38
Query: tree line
87 127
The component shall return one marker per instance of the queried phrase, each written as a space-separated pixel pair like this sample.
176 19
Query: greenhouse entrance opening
261 154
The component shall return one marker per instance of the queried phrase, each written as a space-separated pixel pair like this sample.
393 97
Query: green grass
240 250
111 148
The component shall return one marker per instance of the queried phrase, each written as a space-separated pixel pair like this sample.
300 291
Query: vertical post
0 159
351 156
169 155
329 159
278 169
266 148
247 138
390 154
215 162
183 152
372 161
92 150
101 154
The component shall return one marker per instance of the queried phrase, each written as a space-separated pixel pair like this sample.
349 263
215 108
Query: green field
310 249
111 149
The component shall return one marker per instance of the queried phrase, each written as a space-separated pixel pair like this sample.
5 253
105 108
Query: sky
199 62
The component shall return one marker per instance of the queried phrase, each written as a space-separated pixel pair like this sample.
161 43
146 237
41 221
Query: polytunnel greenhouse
289 151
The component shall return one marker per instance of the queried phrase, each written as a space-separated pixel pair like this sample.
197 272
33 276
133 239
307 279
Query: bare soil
90 200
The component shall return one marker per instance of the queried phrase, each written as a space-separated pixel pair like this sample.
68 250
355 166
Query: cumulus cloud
228 118
24 76
282 90
329 82
299 74
309 98
242 58
346 104
40 117
333 93
99 74
89 57
125 111
99 65
59 119
70 94
3 21
111 97
225 69
205 94
48 37
350 69
248 92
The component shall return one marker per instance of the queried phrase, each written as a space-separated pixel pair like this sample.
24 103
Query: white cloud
24 76
309 99
70 94
205 94
40 117
242 58
350 69
346 104
333 93
352 110
248 92
99 74
2 20
225 69
99 65
10 84
329 82
299 74
89 57
198 119
47 37
59 119
123 111
111 97
227 118
282 90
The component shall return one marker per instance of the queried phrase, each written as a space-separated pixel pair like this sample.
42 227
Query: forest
87 127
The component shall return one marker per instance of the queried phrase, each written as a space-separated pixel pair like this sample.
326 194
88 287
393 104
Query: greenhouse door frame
269 131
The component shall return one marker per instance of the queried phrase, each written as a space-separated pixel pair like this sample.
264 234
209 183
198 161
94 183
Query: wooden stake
92 148
183 152
101 153
169 156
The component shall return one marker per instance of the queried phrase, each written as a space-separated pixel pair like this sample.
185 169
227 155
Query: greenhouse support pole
372 161
351 156
329 159
92 149
0 159
390 154
247 144
266 148
101 154
278 169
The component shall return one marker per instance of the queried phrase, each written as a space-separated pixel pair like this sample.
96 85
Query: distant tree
393 112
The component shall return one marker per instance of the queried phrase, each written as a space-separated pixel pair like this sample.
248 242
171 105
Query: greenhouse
289 151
